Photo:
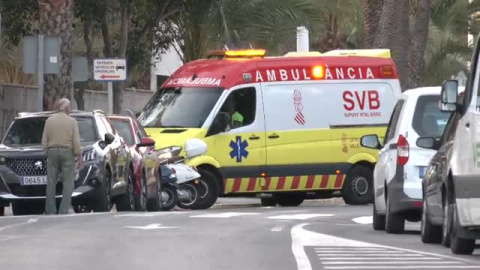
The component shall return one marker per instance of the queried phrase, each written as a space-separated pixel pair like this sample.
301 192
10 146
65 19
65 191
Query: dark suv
104 179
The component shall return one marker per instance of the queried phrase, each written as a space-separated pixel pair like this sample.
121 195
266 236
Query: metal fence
21 98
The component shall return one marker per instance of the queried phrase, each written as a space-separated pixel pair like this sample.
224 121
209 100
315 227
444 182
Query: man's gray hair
64 105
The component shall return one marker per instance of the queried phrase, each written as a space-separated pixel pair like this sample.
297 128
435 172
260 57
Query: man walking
61 143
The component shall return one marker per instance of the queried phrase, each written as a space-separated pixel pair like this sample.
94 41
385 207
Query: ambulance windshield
186 107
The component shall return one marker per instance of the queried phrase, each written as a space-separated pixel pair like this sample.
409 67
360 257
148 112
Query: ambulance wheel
207 189
358 188
287 200
268 202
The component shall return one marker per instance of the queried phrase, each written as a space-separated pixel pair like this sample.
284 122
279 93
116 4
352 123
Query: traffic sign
110 69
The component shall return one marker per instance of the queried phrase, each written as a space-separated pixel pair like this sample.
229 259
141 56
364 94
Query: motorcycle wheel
172 198
190 188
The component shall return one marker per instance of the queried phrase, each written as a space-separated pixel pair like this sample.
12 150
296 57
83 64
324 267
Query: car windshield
185 107
124 129
428 120
29 131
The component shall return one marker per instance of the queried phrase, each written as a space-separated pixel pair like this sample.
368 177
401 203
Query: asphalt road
314 236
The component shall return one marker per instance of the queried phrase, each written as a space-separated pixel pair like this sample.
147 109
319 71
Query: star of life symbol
297 102
239 149
38 165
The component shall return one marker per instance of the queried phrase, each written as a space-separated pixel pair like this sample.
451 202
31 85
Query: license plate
422 171
34 180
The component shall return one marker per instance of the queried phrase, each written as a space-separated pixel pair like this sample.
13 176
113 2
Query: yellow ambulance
282 127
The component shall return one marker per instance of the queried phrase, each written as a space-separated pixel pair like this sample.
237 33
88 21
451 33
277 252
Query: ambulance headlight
169 152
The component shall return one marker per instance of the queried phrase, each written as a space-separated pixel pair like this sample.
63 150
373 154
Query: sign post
40 78
110 70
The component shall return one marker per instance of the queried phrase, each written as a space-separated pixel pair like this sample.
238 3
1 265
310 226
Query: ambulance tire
268 202
358 186
208 190
290 200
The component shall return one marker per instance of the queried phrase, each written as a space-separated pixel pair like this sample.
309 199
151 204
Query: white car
401 163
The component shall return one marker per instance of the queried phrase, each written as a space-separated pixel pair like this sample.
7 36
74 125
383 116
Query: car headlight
169 152
89 155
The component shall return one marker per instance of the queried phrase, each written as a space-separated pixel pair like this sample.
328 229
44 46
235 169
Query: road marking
277 228
366 220
150 227
300 216
151 214
403 267
224 215
353 254
30 221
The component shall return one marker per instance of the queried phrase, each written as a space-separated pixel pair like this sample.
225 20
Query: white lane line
30 221
224 215
302 238
347 248
405 262
277 229
360 251
368 255
379 258
299 216
151 214
150 227
403 267
365 220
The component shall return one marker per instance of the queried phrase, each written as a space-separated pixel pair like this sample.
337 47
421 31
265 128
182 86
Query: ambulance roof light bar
249 53
381 53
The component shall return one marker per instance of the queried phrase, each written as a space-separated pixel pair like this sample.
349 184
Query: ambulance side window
392 125
241 107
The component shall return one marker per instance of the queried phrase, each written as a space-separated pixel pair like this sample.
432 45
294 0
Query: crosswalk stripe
368 255
403 267
379 258
393 262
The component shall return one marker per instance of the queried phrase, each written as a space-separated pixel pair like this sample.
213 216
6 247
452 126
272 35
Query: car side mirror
195 147
449 96
146 142
370 141
427 143
221 122
109 138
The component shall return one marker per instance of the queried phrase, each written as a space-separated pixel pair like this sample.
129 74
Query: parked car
147 190
401 163
101 182
451 184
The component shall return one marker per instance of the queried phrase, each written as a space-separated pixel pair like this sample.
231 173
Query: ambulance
282 127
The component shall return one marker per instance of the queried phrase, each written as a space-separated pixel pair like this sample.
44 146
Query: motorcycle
178 188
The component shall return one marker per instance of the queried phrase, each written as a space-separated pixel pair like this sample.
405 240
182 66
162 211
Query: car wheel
141 199
394 223
447 224
82 208
292 199
463 246
193 195
207 189
20 208
103 201
430 234
268 202
172 198
358 188
155 204
378 220
126 202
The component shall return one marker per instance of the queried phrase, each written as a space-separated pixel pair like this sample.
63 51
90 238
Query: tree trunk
79 90
125 18
394 33
56 19
372 10
419 42
79 87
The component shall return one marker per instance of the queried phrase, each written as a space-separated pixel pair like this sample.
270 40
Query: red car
147 191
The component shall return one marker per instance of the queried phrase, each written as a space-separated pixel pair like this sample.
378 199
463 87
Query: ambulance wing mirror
220 123
371 141
449 96
195 147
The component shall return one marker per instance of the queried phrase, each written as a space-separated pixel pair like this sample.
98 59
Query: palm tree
56 17
448 50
